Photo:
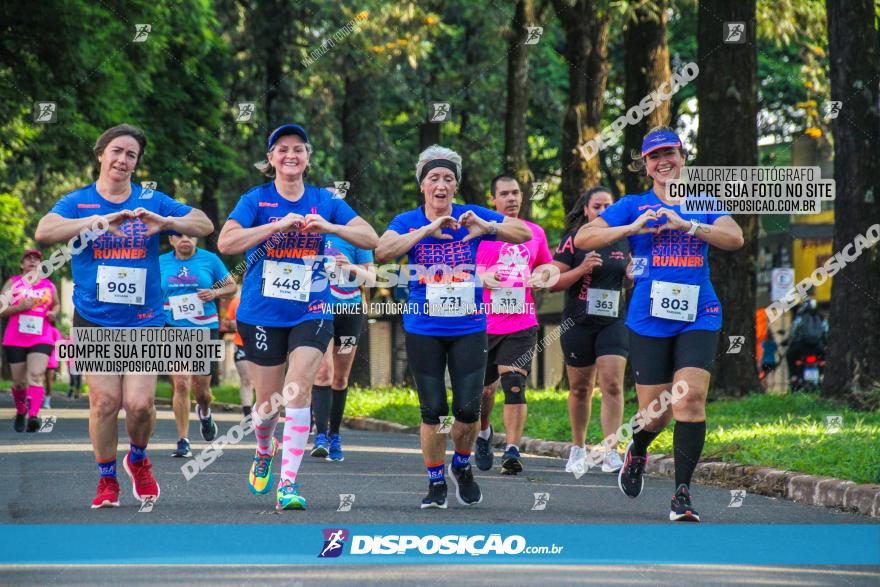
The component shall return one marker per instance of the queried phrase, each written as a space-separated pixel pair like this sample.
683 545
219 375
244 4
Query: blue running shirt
132 251
201 271
671 256
263 205
335 245
452 253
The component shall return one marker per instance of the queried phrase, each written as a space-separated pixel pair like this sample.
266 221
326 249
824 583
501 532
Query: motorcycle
809 370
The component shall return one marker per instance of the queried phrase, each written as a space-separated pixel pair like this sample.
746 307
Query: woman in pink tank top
29 303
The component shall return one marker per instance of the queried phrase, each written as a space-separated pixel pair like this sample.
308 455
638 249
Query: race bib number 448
286 281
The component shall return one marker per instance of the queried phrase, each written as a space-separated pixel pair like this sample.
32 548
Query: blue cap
287 129
659 140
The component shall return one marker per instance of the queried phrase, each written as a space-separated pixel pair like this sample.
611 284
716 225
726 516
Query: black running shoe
483 455
208 428
682 510
630 478
510 462
436 497
467 492
18 423
33 424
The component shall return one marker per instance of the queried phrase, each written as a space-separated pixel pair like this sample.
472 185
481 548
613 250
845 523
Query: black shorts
350 326
515 349
80 322
655 360
269 346
239 355
18 354
583 342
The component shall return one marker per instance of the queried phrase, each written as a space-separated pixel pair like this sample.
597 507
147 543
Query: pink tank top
25 329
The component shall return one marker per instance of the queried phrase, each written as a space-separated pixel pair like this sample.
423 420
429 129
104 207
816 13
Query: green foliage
12 235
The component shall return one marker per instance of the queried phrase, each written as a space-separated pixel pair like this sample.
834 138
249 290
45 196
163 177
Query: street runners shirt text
263 205
671 256
435 253
114 254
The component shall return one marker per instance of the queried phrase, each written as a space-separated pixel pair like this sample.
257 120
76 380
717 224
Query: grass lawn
780 431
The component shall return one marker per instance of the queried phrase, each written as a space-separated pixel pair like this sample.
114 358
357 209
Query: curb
812 490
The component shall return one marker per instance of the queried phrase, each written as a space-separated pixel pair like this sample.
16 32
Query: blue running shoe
322 446
510 462
336 449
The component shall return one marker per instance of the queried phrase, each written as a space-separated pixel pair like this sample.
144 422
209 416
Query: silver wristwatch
493 227
695 226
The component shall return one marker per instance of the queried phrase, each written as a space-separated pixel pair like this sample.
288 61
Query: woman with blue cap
674 317
284 316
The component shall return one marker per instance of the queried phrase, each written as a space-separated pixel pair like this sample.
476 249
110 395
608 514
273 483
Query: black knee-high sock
337 408
687 441
641 440
321 407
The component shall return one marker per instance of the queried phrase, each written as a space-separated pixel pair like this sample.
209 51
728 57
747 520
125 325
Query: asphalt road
49 478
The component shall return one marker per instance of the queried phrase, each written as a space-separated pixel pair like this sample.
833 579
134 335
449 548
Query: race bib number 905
121 285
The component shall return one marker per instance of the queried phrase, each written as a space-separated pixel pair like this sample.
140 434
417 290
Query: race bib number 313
674 301
122 285
509 300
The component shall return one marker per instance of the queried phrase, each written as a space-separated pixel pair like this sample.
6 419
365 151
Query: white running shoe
578 453
612 462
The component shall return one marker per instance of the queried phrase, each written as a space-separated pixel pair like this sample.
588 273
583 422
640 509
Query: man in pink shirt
511 325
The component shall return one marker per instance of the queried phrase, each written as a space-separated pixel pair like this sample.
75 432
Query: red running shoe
144 485
107 495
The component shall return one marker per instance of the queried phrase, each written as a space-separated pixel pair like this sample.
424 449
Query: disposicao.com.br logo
453 544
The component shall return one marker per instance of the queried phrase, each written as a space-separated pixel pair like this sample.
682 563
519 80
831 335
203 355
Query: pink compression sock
35 394
19 396
264 430
296 435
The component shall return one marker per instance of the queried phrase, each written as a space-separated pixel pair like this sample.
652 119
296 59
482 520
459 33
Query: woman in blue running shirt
444 328
117 284
284 316
674 316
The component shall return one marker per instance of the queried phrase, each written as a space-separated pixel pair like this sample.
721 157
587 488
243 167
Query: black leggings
428 357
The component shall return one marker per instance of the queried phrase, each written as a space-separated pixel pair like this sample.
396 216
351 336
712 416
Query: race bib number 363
121 285
603 302
674 301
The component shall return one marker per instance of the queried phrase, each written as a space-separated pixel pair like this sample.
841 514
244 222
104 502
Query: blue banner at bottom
414 544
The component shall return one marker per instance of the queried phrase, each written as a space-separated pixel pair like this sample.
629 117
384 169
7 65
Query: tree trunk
355 118
515 132
586 51
854 322
727 93
211 207
646 66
